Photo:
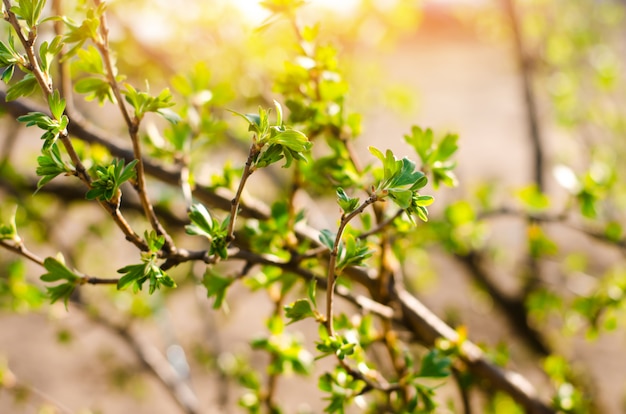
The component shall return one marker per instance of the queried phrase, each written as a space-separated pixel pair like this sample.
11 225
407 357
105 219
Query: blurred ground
465 84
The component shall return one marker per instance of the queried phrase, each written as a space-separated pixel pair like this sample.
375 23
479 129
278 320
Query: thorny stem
332 263
133 129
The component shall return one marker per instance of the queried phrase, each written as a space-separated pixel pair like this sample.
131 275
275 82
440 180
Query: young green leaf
298 310
435 365
216 286
327 238
22 89
347 204
56 104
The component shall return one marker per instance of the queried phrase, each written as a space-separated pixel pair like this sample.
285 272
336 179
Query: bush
195 189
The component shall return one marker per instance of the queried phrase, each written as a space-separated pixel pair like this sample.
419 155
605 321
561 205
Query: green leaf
90 61
95 88
346 203
216 286
63 291
532 198
435 365
9 231
22 89
298 310
202 222
133 273
109 180
422 142
355 251
50 165
7 73
327 238
447 147
57 271
56 104
279 113
292 139
311 291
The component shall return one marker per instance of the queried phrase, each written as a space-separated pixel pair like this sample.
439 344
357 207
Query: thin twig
234 203
158 365
332 263
18 247
133 129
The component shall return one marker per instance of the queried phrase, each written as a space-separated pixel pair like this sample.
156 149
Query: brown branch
332 263
133 129
530 101
513 308
154 360
18 248
428 328
236 201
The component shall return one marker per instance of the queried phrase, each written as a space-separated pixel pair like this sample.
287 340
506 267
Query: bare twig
18 247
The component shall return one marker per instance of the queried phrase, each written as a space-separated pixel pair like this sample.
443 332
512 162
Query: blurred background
552 85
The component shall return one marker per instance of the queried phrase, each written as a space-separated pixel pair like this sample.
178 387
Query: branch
428 328
133 128
332 266
514 309
530 101
154 360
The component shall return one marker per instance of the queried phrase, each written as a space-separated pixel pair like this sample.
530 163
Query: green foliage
17 293
9 59
8 230
79 33
57 271
400 182
435 156
274 142
29 11
148 270
202 224
109 179
276 246
342 387
50 164
54 126
143 103
23 88
347 204
216 286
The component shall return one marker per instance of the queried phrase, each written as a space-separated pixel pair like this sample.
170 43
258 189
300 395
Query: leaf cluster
58 271
148 270
273 142
400 182
435 156
351 250
53 126
203 224
109 179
